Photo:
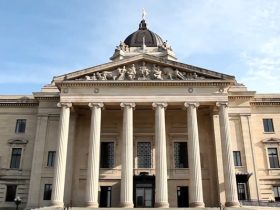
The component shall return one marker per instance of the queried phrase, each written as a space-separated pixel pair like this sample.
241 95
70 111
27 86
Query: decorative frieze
142 72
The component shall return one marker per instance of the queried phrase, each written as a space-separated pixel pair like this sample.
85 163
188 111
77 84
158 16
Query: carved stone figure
144 72
122 73
131 72
179 75
122 46
101 76
88 77
166 46
173 74
94 76
156 73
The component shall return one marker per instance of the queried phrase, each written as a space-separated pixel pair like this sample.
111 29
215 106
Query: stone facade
140 98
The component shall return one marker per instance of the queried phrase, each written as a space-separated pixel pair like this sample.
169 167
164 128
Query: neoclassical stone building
143 130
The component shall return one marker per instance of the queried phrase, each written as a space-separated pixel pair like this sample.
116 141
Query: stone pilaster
228 164
127 156
37 162
61 155
196 190
161 196
250 156
94 156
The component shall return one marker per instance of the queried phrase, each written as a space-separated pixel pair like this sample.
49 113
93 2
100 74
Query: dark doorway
105 196
183 196
144 191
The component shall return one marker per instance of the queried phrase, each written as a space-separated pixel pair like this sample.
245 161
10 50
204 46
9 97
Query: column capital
129 105
159 104
220 104
191 104
64 104
98 105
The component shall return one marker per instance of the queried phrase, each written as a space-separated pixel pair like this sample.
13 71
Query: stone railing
259 203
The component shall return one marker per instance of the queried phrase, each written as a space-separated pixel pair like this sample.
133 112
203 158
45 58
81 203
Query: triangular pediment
143 68
271 141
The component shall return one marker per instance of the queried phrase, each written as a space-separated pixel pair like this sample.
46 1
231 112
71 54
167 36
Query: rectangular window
20 125
15 158
144 155
11 193
273 157
181 154
276 190
268 125
47 192
107 155
242 191
237 158
51 158
105 196
182 196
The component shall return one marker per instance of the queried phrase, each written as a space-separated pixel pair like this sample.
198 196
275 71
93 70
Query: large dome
149 38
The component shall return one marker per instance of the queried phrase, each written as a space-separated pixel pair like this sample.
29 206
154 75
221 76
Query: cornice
42 98
18 104
241 97
265 103
14 101
45 96
144 83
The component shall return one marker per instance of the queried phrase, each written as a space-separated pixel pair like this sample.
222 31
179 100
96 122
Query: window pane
15 158
273 158
11 192
51 158
241 188
20 126
276 190
237 158
181 155
47 192
107 155
268 125
144 154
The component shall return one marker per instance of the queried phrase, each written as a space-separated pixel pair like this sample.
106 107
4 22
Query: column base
232 204
127 205
57 204
162 205
28 207
197 204
92 204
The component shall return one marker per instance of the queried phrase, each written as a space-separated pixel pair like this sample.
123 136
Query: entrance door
183 196
144 195
144 186
105 196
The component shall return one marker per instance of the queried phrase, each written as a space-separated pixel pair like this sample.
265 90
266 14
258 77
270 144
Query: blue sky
41 39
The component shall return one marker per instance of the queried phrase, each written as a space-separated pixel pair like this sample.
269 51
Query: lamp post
17 201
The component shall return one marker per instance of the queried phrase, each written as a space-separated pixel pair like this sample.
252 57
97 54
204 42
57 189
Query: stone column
228 164
94 156
196 190
161 196
70 160
127 156
61 154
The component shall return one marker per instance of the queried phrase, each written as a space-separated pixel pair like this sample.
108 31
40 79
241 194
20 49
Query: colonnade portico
161 191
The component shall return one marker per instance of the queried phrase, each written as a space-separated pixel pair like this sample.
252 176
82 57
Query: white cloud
264 67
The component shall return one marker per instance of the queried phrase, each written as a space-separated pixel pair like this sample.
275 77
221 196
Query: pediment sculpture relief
143 71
